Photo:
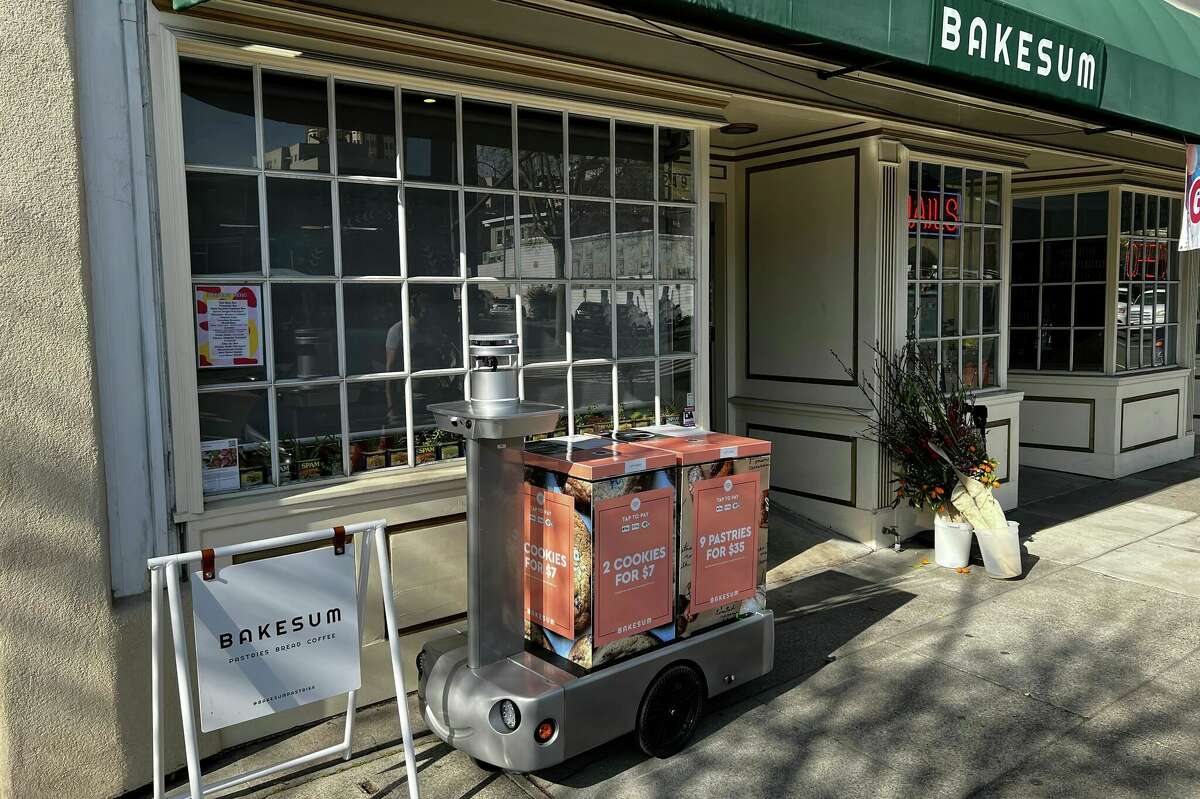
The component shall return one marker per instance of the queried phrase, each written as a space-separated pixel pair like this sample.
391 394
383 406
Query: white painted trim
124 289
176 273
701 375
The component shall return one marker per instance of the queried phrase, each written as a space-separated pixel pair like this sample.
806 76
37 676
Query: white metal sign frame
167 569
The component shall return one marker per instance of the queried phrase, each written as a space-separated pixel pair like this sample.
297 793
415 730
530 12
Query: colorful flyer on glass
229 326
634 585
219 465
549 561
725 560
1189 239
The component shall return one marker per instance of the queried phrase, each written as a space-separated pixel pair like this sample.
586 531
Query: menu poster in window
219 465
229 326
1189 239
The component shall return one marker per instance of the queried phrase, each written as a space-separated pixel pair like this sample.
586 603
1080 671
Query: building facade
690 211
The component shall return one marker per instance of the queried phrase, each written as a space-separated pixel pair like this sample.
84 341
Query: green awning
1147 66
1153 53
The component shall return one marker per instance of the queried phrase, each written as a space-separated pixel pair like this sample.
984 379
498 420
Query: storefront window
954 269
1059 272
1148 282
336 284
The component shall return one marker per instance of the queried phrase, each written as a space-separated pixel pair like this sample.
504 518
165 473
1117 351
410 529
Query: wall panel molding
1090 403
852 477
750 172
1127 401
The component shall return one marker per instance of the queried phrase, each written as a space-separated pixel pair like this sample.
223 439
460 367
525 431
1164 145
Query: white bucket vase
1001 548
951 542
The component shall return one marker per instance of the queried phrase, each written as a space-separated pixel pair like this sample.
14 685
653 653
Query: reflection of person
668 309
434 319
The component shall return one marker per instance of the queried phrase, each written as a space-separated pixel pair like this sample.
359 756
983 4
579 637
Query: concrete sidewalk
896 678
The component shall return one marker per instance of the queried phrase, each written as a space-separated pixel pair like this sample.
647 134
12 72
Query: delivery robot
480 690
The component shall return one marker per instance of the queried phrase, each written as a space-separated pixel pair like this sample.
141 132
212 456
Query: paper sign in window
633 580
725 546
549 560
229 326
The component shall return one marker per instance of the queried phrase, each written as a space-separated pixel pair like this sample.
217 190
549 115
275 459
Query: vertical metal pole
184 682
495 607
156 678
393 635
362 548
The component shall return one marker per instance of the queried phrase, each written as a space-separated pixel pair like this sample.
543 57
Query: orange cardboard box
724 481
599 549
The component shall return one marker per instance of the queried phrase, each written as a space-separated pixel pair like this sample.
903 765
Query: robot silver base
459 703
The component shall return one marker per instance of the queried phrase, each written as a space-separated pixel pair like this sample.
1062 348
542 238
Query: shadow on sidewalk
1058 497
816 616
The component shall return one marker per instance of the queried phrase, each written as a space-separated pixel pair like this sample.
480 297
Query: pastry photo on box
599 550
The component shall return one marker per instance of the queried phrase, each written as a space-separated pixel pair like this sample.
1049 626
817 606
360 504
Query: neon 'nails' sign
934 211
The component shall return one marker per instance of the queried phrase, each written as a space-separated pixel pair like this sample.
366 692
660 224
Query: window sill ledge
1093 378
442 478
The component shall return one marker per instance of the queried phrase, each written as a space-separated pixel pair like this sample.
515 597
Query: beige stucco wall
71 719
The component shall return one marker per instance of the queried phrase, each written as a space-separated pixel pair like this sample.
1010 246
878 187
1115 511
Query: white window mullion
410 434
399 122
344 399
464 300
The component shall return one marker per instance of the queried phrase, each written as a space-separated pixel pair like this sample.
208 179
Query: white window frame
1040 284
1180 323
915 158
1113 281
190 502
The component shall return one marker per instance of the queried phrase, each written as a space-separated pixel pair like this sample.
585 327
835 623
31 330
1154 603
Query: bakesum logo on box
725 547
549 564
633 582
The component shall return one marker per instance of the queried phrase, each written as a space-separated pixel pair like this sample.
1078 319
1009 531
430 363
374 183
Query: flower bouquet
926 422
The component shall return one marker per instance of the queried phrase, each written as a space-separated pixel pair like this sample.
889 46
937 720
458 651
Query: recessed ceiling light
429 100
267 49
738 128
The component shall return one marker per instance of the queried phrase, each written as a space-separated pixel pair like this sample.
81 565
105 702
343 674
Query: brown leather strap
208 566
339 540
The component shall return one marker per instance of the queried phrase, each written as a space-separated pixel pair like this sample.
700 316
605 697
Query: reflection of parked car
503 308
1139 313
592 318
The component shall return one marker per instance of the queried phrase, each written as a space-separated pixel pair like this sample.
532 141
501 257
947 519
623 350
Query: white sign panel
275 634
